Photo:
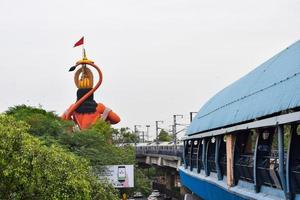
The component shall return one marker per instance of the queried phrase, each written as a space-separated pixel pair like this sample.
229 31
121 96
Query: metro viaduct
168 163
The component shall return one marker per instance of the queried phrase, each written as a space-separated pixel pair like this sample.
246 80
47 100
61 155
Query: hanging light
265 134
213 140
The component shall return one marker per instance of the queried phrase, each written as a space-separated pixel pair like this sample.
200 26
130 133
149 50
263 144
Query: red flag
80 42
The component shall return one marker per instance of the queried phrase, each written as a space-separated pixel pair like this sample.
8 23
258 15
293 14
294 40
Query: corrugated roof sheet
272 87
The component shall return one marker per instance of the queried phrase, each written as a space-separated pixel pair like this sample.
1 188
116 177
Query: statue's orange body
85 112
86 120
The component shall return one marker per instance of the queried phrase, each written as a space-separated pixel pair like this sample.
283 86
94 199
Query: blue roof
272 87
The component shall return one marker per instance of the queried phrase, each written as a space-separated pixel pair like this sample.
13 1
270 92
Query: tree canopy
62 162
31 170
124 136
164 136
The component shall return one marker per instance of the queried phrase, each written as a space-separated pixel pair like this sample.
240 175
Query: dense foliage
31 170
89 150
124 136
164 136
42 123
93 144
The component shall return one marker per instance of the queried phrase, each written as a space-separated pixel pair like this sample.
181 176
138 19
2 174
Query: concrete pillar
177 180
170 179
148 160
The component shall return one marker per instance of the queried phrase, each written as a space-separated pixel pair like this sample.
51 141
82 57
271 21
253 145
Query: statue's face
83 78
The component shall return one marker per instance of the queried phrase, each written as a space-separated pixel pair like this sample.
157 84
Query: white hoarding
120 176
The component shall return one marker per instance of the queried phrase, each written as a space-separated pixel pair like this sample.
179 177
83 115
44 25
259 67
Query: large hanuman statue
86 111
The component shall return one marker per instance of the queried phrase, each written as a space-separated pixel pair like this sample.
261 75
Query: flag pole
83 58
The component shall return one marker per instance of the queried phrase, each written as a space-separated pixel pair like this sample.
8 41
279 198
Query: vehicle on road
155 195
138 195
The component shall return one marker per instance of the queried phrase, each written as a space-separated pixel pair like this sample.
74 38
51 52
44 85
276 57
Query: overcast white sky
159 57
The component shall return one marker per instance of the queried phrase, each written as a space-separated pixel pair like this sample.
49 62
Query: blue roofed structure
272 87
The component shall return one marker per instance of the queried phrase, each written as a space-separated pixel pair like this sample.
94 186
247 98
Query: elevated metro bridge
168 158
159 155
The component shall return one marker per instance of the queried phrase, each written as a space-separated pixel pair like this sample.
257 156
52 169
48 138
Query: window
244 155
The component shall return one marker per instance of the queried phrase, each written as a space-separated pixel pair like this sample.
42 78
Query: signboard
120 176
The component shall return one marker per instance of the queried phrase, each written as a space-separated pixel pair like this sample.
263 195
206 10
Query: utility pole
136 131
175 129
147 132
143 135
191 116
157 128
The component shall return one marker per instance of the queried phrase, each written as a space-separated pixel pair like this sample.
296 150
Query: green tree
124 136
43 124
164 136
31 170
92 145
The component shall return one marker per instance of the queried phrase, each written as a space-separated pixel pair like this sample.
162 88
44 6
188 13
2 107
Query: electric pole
136 131
175 129
157 128
143 135
147 132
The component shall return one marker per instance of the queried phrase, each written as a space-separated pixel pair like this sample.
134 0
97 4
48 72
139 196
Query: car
152 198
155 193
137 195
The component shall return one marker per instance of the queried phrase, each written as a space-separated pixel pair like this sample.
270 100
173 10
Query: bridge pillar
148 160
170 179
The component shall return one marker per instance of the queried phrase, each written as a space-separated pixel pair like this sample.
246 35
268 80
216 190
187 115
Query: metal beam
256 184
217 155
205 147
293 132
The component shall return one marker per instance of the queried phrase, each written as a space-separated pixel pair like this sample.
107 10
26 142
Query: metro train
165 148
